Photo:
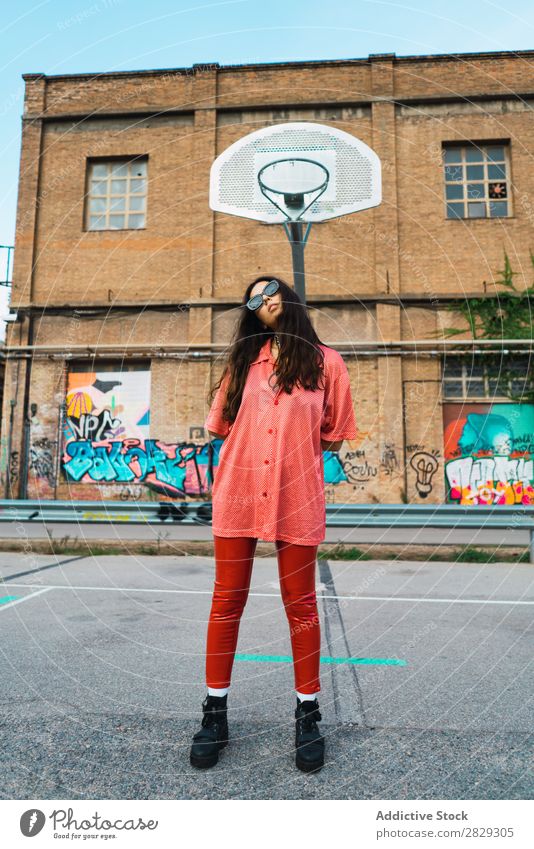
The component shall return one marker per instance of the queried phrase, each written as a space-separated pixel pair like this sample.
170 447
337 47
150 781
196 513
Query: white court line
277 595
26 597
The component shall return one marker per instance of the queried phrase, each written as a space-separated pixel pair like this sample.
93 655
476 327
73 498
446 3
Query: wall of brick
294 84
76 266
464 74
456 256
99 93
380 275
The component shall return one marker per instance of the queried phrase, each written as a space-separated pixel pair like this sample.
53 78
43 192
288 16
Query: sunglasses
256 302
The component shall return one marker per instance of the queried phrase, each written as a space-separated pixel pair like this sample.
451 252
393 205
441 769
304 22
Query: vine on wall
509 314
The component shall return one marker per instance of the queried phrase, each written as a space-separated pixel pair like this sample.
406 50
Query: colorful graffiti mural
174 469
106 440
108 405
107 413
489 453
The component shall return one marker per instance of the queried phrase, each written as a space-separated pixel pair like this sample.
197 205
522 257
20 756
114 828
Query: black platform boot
213 736
308 740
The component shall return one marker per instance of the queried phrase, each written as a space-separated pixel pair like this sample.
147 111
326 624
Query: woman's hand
216 435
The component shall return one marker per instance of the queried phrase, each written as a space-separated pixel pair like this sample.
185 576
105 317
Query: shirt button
276 402
270 430
265 495
266 462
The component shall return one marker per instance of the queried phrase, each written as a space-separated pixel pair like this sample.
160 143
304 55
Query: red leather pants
234 557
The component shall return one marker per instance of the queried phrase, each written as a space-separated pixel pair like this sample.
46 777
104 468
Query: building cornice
283 66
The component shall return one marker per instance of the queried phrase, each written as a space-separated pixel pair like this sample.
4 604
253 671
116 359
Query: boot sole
306 766
204 763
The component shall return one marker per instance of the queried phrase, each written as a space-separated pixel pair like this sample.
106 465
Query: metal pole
297 252
532 546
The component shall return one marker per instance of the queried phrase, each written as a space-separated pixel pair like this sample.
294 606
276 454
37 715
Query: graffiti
389 462
130 493
425 466
334 471
491 481
14 467
170 469
357 468
489 453
174 512
329 495
42 453
107 414
95 427
106 441
107 405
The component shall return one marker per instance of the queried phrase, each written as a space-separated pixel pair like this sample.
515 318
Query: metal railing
505 517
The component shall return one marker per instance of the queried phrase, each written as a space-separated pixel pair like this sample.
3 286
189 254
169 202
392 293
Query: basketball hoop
293 179
295 174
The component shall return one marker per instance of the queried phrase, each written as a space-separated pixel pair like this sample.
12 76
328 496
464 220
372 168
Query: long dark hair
300 360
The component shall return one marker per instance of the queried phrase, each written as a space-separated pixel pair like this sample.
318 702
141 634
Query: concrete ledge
329 551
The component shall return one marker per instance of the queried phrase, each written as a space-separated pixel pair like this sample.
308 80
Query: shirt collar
264 353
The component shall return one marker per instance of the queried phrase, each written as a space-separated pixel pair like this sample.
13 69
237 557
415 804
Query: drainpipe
24 460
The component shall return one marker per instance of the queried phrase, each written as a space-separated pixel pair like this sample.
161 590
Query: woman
282 400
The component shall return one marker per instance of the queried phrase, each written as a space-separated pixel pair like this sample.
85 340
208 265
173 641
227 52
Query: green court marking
5 599
285 658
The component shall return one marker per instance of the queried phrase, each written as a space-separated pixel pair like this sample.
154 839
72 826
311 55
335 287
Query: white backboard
354 174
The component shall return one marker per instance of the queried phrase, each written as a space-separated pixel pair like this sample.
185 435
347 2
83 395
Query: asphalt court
426 680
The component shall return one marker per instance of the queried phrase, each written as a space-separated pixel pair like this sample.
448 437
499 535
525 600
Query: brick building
126 286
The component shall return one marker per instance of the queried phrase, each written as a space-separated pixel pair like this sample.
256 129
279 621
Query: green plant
506 315
342 553
470 554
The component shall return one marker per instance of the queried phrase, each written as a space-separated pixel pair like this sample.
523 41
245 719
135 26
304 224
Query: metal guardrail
507 517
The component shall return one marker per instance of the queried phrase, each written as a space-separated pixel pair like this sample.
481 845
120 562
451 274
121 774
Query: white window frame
115 186
467 377
482 184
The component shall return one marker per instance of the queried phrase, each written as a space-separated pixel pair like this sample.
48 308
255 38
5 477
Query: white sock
213 691
306 696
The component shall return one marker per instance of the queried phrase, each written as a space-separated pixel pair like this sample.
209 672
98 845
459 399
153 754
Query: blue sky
82 36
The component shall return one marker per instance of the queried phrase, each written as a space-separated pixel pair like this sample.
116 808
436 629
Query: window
477 181
116 194
496 377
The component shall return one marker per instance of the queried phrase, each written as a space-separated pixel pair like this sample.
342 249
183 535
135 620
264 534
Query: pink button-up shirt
269 482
